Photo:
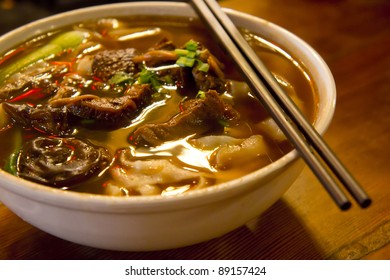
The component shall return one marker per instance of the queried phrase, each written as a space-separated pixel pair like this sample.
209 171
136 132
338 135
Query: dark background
14 13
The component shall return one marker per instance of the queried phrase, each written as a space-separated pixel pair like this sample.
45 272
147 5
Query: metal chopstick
280 106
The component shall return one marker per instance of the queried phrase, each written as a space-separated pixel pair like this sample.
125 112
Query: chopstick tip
365 203
345 206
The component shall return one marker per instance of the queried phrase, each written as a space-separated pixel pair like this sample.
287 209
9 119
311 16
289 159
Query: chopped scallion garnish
191 54
204 67
191 45
185 61
181 52
201 94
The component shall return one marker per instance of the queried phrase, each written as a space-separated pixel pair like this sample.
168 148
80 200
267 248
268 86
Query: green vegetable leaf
156 84
11 164
223 123
145 76
65 41
121 78
149 77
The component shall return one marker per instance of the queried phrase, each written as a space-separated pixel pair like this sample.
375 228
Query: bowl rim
104 203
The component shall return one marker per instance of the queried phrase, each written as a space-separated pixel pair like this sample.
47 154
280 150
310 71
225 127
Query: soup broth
139 106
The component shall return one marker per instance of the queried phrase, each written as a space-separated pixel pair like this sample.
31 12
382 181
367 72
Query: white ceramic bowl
153 223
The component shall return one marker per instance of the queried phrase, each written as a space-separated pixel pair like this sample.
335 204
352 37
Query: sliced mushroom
60 161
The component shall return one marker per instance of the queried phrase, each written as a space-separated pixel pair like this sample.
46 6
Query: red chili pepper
35 93
97 79
68 64
104 33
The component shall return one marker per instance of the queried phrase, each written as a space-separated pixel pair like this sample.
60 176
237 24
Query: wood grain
353 37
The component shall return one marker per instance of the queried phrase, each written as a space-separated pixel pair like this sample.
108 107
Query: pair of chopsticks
312 148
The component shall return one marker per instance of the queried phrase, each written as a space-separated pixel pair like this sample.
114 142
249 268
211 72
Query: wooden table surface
353 37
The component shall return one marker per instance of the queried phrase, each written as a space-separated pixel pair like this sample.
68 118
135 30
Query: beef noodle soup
138 106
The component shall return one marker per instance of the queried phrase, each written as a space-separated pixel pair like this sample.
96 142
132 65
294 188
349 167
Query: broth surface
194 159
